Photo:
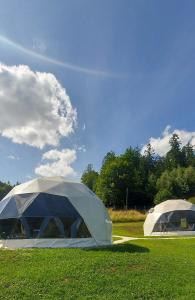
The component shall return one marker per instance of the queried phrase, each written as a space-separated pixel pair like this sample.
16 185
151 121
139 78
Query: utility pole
127 192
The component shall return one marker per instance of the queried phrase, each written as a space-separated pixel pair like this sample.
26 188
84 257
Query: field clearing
134 229
142 269
131 215
139 269
127 222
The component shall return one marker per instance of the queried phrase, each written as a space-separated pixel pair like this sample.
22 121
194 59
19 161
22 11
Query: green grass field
134 229
142 269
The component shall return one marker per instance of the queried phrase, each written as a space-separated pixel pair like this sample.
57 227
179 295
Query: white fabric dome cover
51 212
171 217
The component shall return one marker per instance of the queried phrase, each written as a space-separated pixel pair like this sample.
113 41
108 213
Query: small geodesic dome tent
171 217
51 212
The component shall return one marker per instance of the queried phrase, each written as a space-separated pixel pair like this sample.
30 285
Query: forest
140 180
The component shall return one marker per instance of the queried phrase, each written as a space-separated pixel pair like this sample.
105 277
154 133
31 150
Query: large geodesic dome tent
51 212
171 217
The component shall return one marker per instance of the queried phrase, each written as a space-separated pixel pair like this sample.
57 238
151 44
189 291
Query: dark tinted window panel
83 231
51 205
10 210
34 226
176 221
41 215
67 223
12 229
51 230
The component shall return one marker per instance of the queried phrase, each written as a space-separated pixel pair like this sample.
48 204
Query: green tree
4 189
146 176
108 182
89 177
174 156
162 195
178 183
189 175
189 155
119 174
149 157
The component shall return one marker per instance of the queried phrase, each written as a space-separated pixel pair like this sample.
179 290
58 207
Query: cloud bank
58 163
34 108
161 144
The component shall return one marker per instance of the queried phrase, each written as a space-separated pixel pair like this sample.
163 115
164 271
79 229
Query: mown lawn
143 269
134 229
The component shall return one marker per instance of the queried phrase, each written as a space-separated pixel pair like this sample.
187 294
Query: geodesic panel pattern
180 220
40 215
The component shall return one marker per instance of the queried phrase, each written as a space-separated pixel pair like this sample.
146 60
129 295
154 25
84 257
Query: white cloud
13 157
161 144
59 163
81 148
35 108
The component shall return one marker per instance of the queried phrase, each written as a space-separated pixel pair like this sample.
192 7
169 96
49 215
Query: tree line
136 179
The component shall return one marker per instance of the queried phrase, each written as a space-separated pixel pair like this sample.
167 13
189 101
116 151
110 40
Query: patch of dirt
136 267
66 280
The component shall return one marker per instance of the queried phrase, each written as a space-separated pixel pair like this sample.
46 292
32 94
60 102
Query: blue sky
140 57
